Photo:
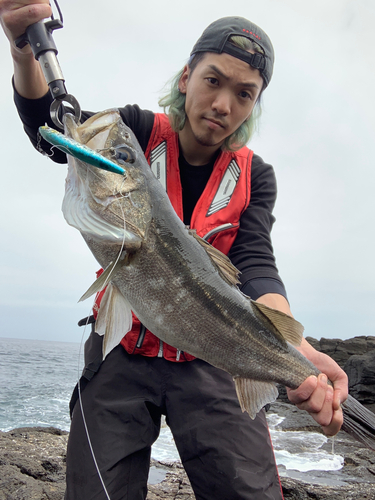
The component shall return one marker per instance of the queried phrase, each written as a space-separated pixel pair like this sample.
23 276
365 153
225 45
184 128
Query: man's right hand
17 15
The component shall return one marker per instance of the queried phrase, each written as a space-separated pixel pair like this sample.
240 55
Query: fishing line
116 198
80 351
89 441
41 150
83 413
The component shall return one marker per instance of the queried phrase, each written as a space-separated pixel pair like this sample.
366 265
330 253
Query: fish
180 287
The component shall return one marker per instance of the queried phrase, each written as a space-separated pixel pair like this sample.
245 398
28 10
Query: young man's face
220 95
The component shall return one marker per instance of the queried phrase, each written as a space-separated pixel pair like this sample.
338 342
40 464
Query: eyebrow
226 77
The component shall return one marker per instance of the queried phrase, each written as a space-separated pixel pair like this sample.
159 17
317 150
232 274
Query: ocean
37 378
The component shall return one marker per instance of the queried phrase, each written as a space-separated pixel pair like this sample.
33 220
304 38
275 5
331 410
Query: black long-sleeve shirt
252 251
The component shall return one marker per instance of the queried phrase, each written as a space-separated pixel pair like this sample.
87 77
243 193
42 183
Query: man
210 116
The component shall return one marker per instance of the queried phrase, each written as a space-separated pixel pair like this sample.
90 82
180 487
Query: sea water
294 450
37 379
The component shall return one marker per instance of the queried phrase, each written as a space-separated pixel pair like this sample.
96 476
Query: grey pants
226 455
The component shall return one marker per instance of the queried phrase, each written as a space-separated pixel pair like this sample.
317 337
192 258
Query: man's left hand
319 398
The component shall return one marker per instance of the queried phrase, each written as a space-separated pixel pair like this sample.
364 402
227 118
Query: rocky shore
32 459
32 467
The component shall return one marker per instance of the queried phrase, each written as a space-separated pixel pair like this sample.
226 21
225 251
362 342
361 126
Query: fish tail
359 422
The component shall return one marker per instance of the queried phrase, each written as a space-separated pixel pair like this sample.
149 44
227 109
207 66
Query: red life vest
216 216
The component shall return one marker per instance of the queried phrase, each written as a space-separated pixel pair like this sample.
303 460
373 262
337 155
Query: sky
317 130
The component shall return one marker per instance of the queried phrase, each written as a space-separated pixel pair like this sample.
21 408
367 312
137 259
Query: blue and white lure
80 151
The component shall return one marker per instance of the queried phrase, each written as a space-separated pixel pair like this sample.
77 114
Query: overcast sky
317 129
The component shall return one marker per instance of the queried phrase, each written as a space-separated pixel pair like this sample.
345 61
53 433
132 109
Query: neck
195 153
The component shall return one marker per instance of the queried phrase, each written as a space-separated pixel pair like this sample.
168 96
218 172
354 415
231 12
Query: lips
215 123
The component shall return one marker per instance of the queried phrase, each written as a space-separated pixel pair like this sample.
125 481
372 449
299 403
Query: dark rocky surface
361 372
32 464
32 460
342 350
32 467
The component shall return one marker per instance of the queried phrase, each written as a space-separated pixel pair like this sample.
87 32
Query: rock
297 490
294 419
32 464
175 486
341 350
32 467
361 373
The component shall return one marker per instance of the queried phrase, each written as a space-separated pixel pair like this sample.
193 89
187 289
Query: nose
222 103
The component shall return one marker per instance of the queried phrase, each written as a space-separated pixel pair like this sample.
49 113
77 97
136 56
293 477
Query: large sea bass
179 287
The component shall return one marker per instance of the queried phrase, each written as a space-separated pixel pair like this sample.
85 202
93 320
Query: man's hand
316 396
17 15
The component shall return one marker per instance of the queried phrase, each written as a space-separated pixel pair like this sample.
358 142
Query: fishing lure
80 151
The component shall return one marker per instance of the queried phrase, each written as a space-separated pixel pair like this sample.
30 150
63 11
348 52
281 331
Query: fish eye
124 154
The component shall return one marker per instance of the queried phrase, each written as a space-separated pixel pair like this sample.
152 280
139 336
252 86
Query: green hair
173 102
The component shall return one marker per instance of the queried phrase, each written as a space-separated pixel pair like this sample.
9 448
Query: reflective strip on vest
158 163
227 185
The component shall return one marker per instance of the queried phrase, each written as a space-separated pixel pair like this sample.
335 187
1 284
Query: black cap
215 39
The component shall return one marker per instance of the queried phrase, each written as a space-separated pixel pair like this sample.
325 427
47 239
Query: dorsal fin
226 269
290 329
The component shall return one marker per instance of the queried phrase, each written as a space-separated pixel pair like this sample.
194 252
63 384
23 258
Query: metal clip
56 105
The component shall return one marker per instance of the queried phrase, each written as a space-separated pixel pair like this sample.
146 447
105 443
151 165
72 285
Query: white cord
83 414
79 371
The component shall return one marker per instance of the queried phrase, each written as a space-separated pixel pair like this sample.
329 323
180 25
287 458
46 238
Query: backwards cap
215 39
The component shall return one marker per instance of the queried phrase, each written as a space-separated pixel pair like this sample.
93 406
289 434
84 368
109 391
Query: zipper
216 230
141 337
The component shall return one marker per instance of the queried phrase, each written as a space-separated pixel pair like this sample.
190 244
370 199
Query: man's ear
182 83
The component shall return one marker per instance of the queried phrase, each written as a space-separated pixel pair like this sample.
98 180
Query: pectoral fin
254 395
109 272
114 318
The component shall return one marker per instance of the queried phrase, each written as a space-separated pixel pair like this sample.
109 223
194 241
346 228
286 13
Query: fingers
323 403
302 394
336 422
16 16
337 417
319 397
320 406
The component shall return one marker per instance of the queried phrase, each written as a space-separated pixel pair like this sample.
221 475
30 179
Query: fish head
103 205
